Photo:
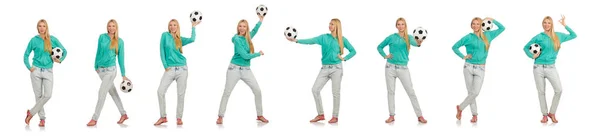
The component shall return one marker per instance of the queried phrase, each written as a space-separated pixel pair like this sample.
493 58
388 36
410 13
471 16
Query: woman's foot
161 121
123 118
474 119
389 120
28 117
220 120
42 123
544 119
552 117
262 119
91 123
458 112
179 122
422 120
333 120
318 118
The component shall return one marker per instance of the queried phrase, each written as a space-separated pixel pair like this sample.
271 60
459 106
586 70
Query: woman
396 67
41 72
332 49
239 68
544 67
174 63
110 46
477 45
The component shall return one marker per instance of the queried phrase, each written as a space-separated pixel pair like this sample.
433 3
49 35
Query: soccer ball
126 86
290 33
261 10
57 53
196 16
420 33
487 25
535 48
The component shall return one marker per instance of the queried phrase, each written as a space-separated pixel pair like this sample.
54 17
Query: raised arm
255 29
314 40
565 37
186 41
495 33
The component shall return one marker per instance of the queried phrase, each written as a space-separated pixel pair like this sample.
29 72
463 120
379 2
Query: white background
508 103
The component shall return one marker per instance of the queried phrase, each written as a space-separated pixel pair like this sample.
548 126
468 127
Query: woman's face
41 26
111 27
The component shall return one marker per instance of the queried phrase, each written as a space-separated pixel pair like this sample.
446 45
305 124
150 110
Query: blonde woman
544 67
477 45
41 72
332 49
396 67
110 47
175 65
239 68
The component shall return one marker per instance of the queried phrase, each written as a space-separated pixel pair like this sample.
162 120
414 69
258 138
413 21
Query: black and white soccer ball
487 25
261 10
290 33
126 86
57 53
420 33
535 48
196 16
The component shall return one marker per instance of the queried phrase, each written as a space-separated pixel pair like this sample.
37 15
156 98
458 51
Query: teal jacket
548 53
41 58
241 54
397 48
105 56
330 49
475 45
169 55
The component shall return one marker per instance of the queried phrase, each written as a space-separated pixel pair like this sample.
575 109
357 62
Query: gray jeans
474 75
42 82
401 72
540 73
180 75
107 75
335 73
234 74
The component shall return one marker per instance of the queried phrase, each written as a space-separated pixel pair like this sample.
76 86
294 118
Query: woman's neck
401 34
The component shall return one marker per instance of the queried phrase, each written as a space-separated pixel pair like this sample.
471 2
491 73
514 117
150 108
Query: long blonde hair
338 33
552 33
247 35
114 41
481 35
45 36
405 32
177 36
